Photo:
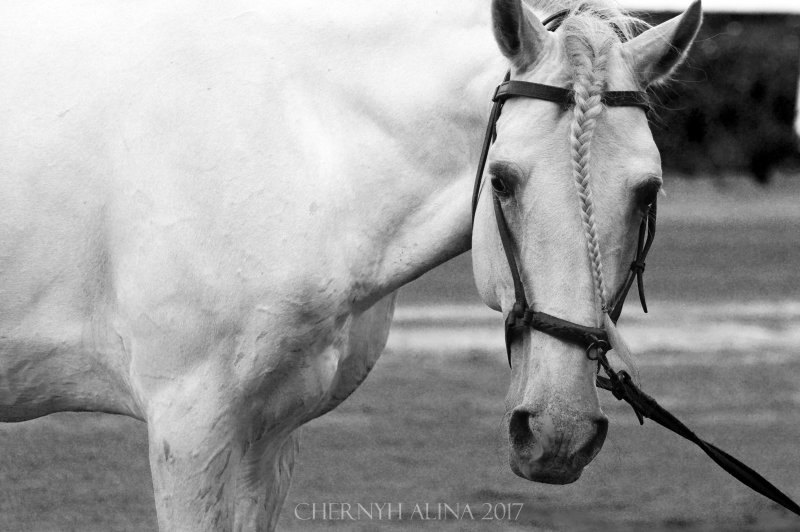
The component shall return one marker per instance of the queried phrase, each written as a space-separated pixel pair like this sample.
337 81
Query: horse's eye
500 187
648 200
647 193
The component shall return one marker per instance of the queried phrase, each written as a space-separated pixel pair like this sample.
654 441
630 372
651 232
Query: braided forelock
588 61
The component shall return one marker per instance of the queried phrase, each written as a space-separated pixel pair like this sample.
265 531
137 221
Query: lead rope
623 387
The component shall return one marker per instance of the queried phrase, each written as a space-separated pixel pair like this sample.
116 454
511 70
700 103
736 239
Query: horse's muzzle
553 448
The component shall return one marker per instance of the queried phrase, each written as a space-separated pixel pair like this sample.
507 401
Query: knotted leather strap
647 233
624 389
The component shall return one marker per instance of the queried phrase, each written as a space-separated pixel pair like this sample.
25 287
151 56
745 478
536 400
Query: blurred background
732 106
719 349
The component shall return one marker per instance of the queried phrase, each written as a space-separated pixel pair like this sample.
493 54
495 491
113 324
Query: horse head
572 183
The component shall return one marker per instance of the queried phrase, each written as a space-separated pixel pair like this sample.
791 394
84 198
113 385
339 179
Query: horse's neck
406 102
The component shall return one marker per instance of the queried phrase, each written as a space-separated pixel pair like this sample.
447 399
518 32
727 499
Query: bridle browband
596 339
522 316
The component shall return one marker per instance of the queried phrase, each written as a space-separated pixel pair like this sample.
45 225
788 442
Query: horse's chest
363 342
312 363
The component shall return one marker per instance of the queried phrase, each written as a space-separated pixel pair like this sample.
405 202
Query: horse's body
205 212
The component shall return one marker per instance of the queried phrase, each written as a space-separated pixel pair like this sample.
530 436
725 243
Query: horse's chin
559 477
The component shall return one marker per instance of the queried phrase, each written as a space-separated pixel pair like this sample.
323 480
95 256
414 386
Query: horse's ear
655 53
521 37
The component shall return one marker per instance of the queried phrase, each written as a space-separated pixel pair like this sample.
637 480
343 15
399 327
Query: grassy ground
423 430
426 428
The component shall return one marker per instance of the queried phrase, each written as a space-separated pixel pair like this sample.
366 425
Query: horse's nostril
527 442
588 448
596 441
602 426
519 428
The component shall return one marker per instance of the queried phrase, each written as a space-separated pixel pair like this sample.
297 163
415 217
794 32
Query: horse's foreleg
262 482
194 452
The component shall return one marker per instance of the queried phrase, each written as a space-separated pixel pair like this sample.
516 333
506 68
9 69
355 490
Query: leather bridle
595 339
522 315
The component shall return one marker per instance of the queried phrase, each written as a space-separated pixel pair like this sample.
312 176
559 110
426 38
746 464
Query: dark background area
731 106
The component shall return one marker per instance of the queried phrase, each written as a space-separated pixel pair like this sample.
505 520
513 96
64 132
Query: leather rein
595 339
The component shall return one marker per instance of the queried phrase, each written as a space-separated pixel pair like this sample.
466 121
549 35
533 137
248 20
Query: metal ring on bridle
602 347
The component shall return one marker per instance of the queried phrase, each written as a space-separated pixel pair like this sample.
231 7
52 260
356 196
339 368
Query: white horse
206 210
